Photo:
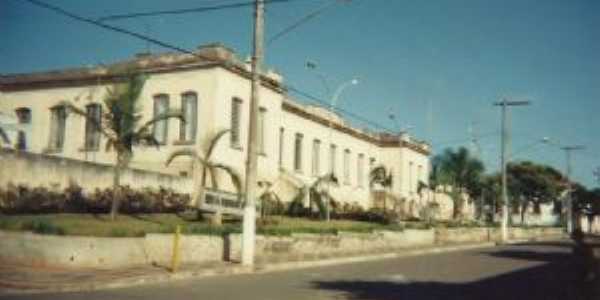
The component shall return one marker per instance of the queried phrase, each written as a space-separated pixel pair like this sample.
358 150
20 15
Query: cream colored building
298 142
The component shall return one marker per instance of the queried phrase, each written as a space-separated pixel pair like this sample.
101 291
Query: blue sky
437 65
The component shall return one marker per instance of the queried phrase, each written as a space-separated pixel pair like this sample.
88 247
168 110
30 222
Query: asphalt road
533 271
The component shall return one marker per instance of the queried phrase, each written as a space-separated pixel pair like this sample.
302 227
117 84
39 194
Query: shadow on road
554 279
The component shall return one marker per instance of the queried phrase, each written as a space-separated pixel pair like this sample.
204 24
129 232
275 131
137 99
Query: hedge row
22 199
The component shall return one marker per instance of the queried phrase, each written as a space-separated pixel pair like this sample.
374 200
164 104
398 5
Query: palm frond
213 141
144 139
182 152
161 117
236 179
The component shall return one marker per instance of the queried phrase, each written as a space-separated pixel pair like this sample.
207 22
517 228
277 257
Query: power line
74 16
184 11
343 111
303 20
113 28
466 140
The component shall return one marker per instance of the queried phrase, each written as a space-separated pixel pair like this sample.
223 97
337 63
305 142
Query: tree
462 172
270 203
209 167
120 125
382 176
318 193
491 188
586 202
531 183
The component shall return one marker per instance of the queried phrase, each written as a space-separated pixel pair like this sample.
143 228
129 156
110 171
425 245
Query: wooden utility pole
249 226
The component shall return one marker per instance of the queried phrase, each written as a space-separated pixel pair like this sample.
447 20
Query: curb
258 269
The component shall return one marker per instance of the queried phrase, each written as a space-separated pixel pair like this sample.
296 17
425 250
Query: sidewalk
19 279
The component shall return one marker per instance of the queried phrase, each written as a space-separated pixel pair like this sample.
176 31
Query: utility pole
569 200
249 225
503 160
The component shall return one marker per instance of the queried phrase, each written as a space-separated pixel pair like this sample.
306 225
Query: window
57 128
24 116
347 166
189 107
332 158
281 137
92 126
161 128
316 168
260 129
410 177
360 169
298 153
420 174
236 110
371 167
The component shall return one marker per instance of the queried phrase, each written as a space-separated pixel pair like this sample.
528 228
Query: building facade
298 143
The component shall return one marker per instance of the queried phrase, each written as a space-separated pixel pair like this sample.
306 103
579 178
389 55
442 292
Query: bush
43 227
40 200
373 215
118 232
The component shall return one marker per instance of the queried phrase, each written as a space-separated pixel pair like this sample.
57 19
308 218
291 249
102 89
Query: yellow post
175 258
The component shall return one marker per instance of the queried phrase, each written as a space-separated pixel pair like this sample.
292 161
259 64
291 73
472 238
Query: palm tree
269 200
317 193
380 175
209 167
119 125
461 171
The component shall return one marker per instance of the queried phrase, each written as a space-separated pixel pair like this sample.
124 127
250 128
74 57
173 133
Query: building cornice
376 139
211 56
157 64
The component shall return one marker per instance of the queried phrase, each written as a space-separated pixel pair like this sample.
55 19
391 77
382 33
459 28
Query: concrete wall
57 172
45 250
474 235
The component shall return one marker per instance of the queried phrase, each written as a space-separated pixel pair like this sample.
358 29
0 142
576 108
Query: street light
545 140
334 100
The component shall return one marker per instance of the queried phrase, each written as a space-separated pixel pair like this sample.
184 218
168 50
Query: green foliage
459 169
586 201
296 207
43 227
209 167
120 123
40 200
118 232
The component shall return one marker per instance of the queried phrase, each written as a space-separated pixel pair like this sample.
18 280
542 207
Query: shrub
118 232
43 227
40 200
373 215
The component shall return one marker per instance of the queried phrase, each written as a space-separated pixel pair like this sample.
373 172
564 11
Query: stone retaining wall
69 251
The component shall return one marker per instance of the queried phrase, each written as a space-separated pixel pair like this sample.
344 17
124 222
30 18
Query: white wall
216 87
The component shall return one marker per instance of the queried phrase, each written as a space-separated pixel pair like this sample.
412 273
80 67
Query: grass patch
140 225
